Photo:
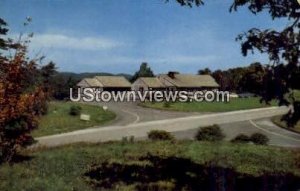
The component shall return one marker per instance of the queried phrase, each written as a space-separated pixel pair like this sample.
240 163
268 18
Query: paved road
229 122
130 113
277 135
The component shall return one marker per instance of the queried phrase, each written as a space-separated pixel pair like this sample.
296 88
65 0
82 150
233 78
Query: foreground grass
232 105
64 168
58 119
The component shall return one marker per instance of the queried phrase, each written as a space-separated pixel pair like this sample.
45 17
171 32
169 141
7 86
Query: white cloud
69 42
191 59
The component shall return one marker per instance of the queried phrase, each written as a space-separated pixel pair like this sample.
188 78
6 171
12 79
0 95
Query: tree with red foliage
20 100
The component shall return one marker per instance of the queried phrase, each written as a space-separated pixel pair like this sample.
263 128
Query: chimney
171 74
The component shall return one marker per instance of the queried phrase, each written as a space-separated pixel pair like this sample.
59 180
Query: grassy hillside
58 119
277 119
182 165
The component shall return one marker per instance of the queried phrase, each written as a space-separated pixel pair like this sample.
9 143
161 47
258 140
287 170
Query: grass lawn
134 166
297 94
58 119
232 105
277 121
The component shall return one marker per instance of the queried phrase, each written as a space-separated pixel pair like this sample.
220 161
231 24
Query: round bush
259 139
75 110
159 135
210 133
241 138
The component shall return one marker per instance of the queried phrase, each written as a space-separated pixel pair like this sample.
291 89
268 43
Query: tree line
240 79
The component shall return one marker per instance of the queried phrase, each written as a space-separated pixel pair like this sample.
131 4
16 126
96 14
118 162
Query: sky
116 36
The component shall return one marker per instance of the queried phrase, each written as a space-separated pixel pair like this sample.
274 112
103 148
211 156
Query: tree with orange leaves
20 99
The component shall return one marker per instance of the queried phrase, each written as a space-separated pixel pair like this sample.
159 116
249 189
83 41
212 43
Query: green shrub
156 135
210 133
259 139
131 139
75 110
241 138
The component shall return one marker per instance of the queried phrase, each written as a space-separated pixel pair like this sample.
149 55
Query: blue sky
117 35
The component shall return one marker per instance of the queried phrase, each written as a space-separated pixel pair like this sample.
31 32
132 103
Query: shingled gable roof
91 82
189 80
152 82
113 81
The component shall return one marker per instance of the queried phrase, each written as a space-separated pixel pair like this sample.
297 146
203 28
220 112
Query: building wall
193 89
111 89
83 84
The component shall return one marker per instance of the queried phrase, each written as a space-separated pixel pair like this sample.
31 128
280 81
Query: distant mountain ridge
80 76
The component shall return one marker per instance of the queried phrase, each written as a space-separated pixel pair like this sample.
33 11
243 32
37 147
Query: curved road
232 123
277 135
131 113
